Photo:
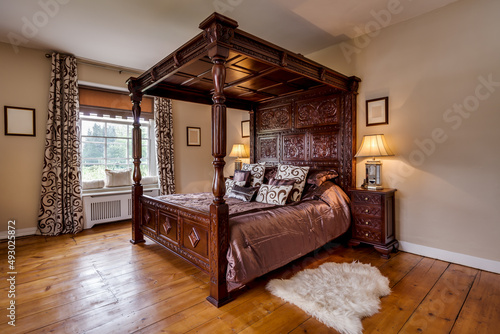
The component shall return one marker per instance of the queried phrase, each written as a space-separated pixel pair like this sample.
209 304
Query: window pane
92 128
93 172
92 150
116 130
92 139
93 161
144 169
145 150
117 148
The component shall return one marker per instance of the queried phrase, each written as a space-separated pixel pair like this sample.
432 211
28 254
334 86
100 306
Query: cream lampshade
238 151
373 146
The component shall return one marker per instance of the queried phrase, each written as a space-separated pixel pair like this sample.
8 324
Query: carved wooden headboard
314 128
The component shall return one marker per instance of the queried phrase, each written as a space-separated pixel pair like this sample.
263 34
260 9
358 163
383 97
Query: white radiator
103 208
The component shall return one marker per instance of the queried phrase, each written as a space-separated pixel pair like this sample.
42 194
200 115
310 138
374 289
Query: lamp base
370 187
238 164
373 177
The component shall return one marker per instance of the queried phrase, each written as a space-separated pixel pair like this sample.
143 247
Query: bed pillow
117 178
256 173
93 184
231 183
242 175
296 173
283 182
317 177
243 193
276 195
269 173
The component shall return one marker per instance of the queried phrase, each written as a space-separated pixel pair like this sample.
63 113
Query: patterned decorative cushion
243 193
116 178
273 194
281 182
317 177
242 175
299 174
270 173
231 183
257 173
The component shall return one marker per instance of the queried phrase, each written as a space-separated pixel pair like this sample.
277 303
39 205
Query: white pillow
273 194
296 173
231 183
256 173
149 180
117 178
93 184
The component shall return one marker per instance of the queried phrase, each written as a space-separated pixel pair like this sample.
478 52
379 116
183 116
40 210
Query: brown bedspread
265 237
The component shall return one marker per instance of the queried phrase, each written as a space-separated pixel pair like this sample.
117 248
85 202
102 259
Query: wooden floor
97 282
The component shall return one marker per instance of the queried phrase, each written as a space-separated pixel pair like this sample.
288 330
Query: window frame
146 125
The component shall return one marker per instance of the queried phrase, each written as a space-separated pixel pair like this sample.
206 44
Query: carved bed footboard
183 231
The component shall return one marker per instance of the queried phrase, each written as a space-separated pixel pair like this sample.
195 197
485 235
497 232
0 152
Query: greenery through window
107 144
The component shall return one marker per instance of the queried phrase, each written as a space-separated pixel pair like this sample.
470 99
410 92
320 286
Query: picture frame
377 111
19 121
245 129
193 136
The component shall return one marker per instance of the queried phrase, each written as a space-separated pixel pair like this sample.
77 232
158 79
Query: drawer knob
367 210
366 223
366 234
366 198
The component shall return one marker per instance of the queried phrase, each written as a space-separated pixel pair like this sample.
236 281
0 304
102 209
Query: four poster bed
301 114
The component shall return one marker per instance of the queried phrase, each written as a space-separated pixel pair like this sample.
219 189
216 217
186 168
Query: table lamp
238 151
373 146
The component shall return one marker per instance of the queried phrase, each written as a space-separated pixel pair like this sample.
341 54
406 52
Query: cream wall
446 163
24 83
193 164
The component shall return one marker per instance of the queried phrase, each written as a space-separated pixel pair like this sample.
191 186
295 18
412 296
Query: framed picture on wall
19 121
377 111
193 136
245 129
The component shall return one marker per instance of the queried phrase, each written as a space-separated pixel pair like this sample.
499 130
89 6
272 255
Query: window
107 144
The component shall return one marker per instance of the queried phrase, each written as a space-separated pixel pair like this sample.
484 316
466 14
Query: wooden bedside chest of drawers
373 219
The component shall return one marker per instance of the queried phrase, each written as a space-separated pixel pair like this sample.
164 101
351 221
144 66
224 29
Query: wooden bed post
218 32
137 190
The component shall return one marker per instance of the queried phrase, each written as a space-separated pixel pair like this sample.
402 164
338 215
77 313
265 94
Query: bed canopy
287 95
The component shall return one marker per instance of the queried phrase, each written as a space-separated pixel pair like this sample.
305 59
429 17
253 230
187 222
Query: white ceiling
136 34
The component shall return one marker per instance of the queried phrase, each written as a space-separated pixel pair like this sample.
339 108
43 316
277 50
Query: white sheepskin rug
337 294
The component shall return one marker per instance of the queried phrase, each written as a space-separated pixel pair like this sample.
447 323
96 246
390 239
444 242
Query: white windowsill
106 191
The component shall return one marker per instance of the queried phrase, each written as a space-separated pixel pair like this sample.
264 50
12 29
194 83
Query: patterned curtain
164 129
61 207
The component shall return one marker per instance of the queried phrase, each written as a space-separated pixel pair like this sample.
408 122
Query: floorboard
97 282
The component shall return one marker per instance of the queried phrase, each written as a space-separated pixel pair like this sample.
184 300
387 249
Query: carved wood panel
276 118
323 146
167 226
268 148
317 112
194 238
294 147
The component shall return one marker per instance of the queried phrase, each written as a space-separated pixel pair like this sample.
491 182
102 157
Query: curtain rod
103 65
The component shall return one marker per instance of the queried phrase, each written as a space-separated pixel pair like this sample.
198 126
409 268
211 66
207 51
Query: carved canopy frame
300 112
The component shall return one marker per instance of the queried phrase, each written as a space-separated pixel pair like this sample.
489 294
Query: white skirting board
20 232
458 258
